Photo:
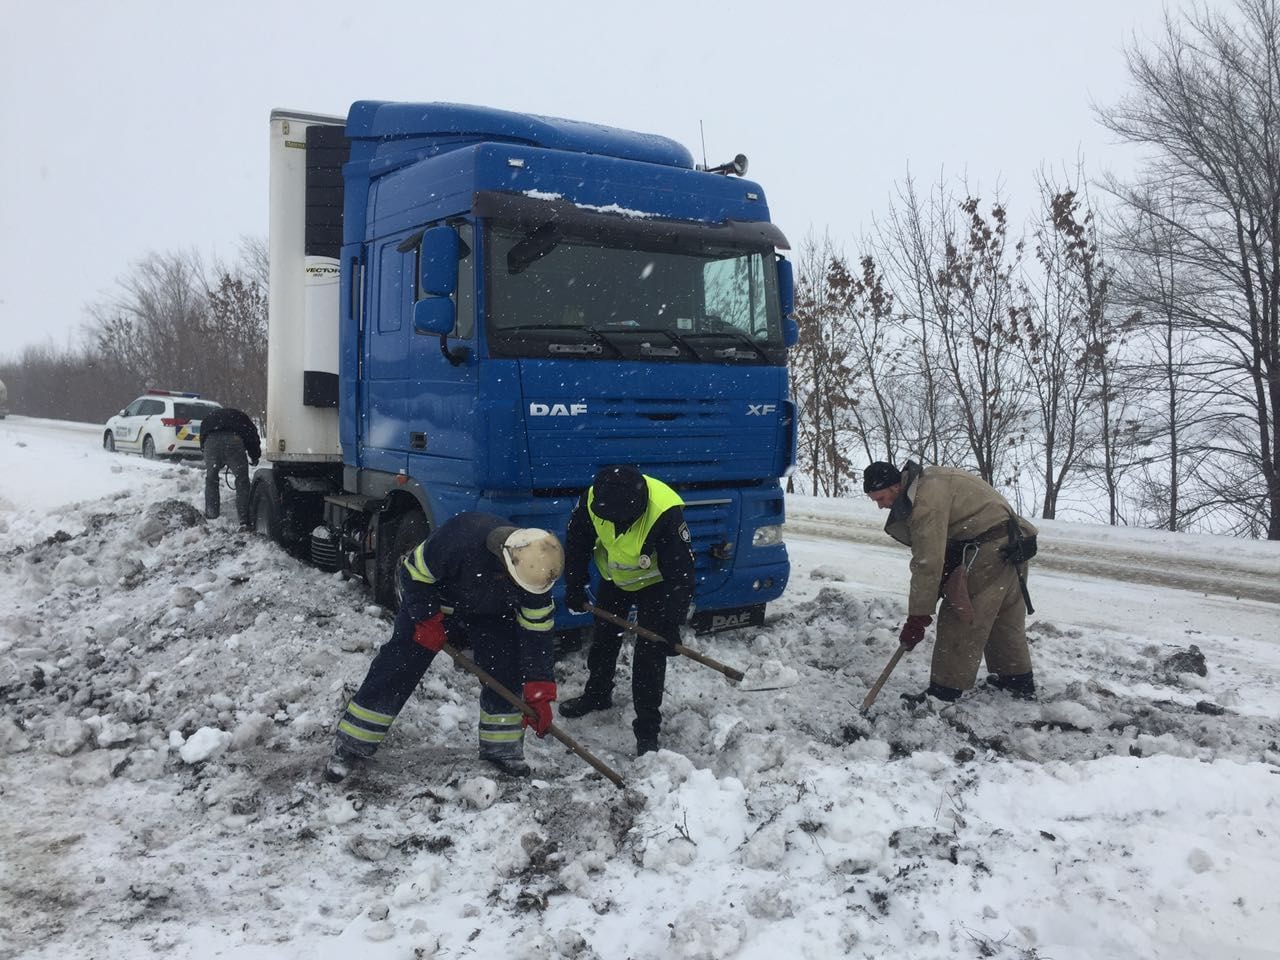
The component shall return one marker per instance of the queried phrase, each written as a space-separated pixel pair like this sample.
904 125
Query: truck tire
109 442
409 531
264 511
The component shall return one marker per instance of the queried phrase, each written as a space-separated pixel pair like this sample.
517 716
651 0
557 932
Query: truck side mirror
787 297
433 315
438 263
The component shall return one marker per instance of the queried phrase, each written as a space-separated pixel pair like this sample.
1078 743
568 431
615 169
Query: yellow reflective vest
619 556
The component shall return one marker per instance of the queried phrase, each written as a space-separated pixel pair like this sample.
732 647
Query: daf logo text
760 409
557 409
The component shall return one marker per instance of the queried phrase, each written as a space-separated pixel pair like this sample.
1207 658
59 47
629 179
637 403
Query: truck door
446 425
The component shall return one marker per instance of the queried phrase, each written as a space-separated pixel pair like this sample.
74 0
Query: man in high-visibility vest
633 527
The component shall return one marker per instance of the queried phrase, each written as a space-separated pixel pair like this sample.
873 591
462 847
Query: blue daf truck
473 309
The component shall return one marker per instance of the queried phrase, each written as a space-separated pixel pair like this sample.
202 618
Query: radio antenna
703 134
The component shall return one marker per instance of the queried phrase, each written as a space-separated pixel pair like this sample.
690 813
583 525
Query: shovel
788 679
471 667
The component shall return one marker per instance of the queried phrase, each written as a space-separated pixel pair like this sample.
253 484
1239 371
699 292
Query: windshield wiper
675 338
732 352
566 327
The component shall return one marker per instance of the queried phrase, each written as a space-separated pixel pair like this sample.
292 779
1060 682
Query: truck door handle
418 441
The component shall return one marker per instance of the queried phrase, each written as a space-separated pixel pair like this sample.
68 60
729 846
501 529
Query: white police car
161 423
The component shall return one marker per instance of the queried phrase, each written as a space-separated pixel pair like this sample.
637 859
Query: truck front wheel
409 531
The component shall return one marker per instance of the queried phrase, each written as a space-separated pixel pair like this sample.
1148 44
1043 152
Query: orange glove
539 695
430 633
913 630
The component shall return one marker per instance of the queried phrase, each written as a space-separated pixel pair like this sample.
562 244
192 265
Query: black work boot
949 694
1020 685
509 766
580 706
342 763
646 745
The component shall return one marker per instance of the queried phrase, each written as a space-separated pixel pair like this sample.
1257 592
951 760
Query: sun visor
521 210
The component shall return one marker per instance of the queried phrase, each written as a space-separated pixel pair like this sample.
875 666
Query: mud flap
718 621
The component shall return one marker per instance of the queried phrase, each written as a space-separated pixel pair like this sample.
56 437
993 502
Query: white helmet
534 558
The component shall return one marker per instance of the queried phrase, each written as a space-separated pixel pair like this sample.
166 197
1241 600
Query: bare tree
1179 401
66 383
1205 100
179 323
153 325
875 392
1055 342
909 244
820 368
975 317
235 338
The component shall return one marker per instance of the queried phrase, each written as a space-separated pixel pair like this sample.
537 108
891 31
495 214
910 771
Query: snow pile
169 688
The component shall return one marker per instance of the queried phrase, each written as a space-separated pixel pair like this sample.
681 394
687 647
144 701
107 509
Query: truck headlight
767 536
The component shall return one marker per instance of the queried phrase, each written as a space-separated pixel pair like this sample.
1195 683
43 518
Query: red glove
539 694
430 633
913 630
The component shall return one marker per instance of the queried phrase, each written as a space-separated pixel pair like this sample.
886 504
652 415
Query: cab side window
464 298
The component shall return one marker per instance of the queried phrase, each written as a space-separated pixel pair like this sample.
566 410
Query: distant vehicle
4 401
161 423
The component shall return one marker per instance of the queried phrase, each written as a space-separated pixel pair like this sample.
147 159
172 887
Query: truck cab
475 310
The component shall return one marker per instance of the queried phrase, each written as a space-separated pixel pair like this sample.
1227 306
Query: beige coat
941 504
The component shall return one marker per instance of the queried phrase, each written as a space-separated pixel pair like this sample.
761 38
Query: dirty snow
169 687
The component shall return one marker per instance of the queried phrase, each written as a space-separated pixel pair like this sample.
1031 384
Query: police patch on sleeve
684 533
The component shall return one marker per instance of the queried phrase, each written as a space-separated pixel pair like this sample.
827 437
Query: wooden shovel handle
884 675
471 667
679 648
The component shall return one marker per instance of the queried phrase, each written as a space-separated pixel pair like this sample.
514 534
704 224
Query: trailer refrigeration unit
472 309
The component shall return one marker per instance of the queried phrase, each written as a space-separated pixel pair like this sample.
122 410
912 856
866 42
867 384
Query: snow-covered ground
169 687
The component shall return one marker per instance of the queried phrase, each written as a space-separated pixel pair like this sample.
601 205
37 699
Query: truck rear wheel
264 511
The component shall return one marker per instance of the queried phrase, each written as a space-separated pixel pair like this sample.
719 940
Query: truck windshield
556 294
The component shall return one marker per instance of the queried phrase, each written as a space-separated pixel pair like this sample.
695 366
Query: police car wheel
148 448
109 442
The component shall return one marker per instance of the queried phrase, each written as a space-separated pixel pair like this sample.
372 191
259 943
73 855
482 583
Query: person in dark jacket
970 549
477 578
228 438
633 527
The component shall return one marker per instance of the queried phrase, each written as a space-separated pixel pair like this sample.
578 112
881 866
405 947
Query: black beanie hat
620 494
880 475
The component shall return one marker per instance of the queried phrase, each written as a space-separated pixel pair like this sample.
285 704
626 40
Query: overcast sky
131 127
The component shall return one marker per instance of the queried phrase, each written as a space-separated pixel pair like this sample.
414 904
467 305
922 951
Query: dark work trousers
400 664
648 667
225 449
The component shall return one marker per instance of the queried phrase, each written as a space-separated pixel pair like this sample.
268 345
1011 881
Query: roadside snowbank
169 688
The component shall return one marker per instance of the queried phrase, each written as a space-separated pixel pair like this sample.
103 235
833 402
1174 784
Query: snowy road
1222 567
